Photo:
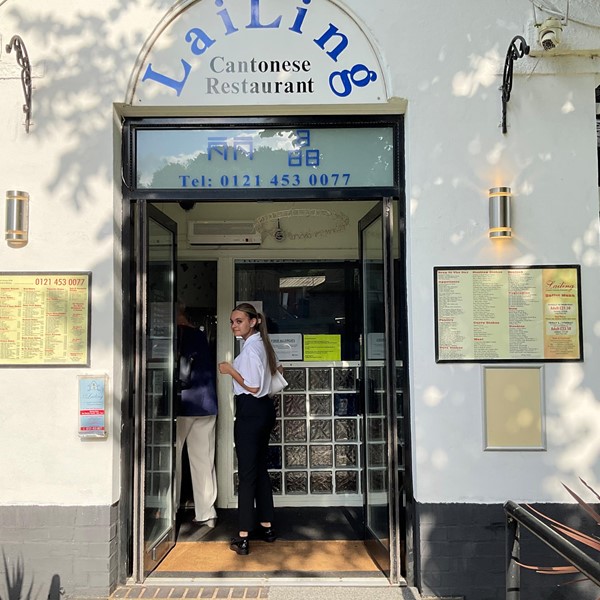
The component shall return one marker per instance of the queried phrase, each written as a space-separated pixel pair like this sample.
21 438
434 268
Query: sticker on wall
92 391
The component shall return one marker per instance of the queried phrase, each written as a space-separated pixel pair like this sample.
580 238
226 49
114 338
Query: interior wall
304 239
339 245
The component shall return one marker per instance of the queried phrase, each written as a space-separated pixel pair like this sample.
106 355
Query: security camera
550 33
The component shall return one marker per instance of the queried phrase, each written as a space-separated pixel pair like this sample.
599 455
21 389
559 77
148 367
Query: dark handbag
186 364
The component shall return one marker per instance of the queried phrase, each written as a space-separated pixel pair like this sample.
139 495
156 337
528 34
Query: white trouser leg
183 428
201 452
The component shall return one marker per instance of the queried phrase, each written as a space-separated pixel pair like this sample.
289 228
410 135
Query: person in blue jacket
196 419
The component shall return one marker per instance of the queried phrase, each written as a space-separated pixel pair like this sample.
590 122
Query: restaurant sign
257 52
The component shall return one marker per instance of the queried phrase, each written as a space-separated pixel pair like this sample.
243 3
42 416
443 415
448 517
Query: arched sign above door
257 52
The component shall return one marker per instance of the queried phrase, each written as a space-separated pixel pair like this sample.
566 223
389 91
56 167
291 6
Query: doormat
283 558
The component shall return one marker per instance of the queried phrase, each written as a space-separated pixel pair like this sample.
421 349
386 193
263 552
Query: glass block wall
315 445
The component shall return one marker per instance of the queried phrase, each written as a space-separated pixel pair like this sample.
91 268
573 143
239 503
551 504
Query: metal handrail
518 516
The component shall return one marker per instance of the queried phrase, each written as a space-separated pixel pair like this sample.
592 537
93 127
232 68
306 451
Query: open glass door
378 389
155 376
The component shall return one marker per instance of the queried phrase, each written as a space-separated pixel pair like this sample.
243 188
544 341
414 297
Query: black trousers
254 420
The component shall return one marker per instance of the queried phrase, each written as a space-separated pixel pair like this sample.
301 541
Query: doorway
325 262
333 462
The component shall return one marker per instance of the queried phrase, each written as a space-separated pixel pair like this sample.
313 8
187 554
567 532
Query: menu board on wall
45 319
485 314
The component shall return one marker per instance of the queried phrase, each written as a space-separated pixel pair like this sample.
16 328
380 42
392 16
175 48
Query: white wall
448 70
450 75
81 54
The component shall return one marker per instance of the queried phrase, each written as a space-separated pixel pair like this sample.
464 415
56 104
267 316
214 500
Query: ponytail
247 308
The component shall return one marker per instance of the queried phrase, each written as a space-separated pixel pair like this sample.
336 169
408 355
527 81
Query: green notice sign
319 348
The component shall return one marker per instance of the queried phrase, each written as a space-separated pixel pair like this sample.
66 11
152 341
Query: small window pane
320 430
321 482
345 430
296 457
320 405
294 405
321 457
296 482
295 430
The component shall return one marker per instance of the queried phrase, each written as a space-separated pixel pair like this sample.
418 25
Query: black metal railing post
576 557
513 554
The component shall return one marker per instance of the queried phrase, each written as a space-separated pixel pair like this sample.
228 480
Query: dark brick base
58 552
461 553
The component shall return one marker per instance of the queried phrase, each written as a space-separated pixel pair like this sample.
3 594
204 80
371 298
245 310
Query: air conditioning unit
216 233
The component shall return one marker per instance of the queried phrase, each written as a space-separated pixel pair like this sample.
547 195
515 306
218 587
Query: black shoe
267 534
240 545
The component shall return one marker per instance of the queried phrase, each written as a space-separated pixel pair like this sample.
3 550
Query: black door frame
132 195
144 562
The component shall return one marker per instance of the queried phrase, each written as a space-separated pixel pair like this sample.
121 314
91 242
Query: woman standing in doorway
251 372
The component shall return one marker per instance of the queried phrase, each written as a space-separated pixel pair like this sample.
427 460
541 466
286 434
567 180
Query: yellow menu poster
45 319
561 313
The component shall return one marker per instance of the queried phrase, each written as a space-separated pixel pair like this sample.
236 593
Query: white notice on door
287 346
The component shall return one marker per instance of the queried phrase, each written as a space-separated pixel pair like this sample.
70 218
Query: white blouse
253 365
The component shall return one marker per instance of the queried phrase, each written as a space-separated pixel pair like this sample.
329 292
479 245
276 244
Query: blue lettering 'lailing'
333 42
341 82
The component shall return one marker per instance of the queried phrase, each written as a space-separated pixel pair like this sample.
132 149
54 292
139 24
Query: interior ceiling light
301 282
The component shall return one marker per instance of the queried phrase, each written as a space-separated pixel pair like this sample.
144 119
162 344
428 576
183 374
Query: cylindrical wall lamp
17 218
500 225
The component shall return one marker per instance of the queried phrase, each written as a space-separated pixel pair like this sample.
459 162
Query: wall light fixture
17 218
500 224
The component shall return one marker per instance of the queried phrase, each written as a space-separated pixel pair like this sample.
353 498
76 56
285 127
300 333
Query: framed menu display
45 319
508 314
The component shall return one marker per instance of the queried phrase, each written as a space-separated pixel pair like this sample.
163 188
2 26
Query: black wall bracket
517 49
16 43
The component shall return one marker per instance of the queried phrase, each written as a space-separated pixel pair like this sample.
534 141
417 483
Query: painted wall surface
455 152
448 70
